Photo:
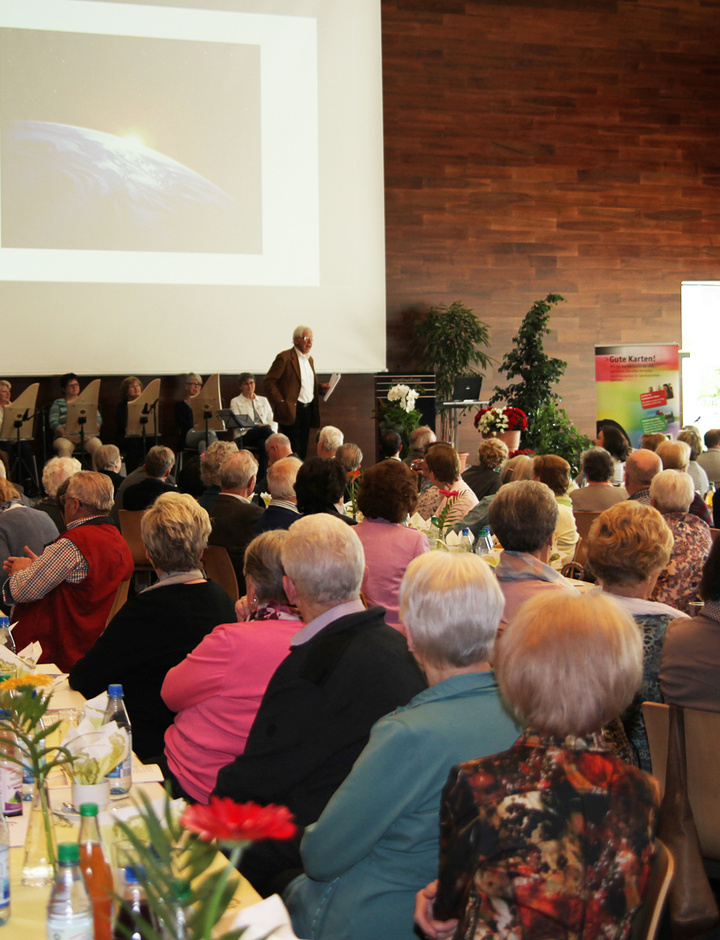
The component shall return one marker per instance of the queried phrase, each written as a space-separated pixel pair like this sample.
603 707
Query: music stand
82 414
18 418
205 406
142 415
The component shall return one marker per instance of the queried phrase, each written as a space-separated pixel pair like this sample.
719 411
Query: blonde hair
175 531
517 468
627 542
213 459
492 453
7 490
568 665
675 455
451 605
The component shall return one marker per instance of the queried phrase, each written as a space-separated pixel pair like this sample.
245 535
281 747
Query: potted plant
504 423
449 341
398 413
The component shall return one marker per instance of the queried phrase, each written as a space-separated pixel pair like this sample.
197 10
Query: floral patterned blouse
550 839
678 584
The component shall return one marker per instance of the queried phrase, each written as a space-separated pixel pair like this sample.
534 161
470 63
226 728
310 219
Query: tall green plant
450 341
536 372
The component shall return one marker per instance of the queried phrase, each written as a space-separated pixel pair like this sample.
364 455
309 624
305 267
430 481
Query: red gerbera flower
231 822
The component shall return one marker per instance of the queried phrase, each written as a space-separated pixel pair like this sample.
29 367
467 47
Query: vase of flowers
398 413
507 424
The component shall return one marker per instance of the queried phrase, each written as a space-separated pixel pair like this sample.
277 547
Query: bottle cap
4 623
180 889
88 809
68 853
466 531
133 874
115 689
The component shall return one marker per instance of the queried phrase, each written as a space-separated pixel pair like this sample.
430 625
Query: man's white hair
324 559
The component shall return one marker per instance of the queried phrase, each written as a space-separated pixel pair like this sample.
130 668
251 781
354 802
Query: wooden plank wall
557 145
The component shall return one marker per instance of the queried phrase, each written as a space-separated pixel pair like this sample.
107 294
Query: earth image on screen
74 187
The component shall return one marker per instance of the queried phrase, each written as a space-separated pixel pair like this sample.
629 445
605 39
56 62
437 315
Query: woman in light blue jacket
376 843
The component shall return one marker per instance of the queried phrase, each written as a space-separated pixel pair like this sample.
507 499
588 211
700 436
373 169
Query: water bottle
6 637
465 541
121 777
10 771
485 541
96 871
69 912
135 903
179 913
4 872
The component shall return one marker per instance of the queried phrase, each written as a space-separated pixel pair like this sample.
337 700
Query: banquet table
28 905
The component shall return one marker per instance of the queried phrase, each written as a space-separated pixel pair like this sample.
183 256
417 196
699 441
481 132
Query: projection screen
181 184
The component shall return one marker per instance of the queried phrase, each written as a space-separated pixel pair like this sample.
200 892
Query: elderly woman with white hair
675 455
56 471
157 628
376 842
671 493
553 837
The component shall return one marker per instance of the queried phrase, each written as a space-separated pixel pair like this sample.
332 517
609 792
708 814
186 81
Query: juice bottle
96 871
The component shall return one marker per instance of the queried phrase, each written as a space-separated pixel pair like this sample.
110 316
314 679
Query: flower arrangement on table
398 412
437 528
353 485
499 420
176 850
24 702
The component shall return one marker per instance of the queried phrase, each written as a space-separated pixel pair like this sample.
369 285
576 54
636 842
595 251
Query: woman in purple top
387 493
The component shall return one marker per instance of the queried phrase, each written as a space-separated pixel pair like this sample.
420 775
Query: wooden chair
647 919
583 521
120 598
714 532
219 568
702 746
130 530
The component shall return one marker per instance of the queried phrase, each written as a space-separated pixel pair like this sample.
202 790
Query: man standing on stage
293 391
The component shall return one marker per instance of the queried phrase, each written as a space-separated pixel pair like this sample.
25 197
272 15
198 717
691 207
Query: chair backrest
714 532
130 529
583 521
647 919
702 746
120 598
219 568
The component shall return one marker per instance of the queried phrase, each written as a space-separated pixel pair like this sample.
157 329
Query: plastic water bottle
96 871
485 541
465 541
179 914
135 902
121 777
69 912
4 872
6 637
10 771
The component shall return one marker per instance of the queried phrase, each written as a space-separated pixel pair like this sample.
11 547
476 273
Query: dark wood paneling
551 146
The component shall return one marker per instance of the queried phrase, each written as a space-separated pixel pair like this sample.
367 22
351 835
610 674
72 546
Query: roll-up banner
638 388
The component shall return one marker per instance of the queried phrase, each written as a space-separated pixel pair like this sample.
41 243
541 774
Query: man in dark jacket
346 668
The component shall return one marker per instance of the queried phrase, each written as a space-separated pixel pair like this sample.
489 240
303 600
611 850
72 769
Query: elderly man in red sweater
63 596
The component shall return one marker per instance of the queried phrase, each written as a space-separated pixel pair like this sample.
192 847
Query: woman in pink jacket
216 690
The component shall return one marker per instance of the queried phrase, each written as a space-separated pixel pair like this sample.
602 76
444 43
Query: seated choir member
65 445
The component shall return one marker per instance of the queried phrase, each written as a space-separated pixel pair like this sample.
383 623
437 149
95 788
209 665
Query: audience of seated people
709 459
154 630
274 701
